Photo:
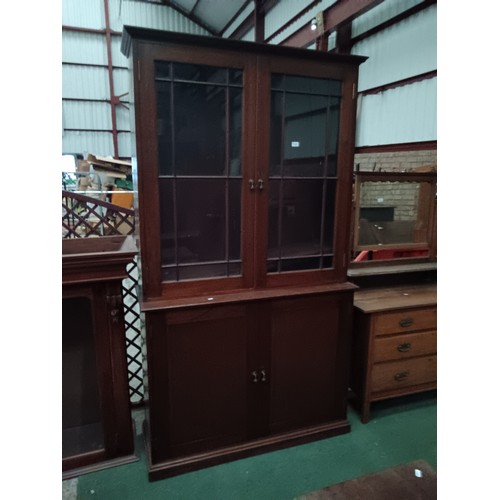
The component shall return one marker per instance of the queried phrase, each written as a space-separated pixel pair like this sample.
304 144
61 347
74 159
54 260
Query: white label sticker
295 144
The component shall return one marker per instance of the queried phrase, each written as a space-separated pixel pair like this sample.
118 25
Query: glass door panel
82 428
304 127
199 134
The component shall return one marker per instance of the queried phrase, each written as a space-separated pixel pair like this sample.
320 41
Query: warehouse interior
276 285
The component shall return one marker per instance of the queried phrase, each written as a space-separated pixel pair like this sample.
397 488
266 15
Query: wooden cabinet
97 427
394 343
244 377
243 171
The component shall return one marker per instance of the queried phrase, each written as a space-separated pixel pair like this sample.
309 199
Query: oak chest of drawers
394 343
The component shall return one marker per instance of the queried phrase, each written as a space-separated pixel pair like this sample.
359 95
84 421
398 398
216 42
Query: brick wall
402 196
400 161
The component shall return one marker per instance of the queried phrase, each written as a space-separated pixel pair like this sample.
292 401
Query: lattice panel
133 333
84 216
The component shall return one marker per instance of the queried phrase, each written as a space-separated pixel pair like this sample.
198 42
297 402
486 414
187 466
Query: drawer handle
401 376
406 322
405 347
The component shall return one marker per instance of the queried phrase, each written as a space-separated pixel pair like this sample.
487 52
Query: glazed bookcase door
244 170
199 232
303 164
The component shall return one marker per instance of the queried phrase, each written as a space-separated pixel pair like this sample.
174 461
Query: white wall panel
403 114
123 118
87 115
115 13
116 54
84 48
93 115
83 13
124 144
99 143
403 50
121 81
85 82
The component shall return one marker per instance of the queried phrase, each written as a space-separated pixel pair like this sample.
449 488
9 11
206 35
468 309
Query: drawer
404 346
405 320
395 375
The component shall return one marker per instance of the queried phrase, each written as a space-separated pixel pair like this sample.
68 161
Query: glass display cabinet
97 429
243 168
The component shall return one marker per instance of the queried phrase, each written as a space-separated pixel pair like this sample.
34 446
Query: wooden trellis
84 216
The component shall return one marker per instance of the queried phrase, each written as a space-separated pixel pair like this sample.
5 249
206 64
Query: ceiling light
314 24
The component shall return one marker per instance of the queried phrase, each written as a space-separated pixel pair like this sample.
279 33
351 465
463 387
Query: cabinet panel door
199 365
304 344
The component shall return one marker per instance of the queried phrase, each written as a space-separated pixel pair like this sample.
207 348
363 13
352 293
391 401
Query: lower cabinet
394 343
231 380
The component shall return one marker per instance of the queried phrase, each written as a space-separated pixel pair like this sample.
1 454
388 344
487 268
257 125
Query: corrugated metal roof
215 13
381 13
149 15
403 114
403 50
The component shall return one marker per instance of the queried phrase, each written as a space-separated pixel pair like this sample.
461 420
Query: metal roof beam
341 12
262 7
231 21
